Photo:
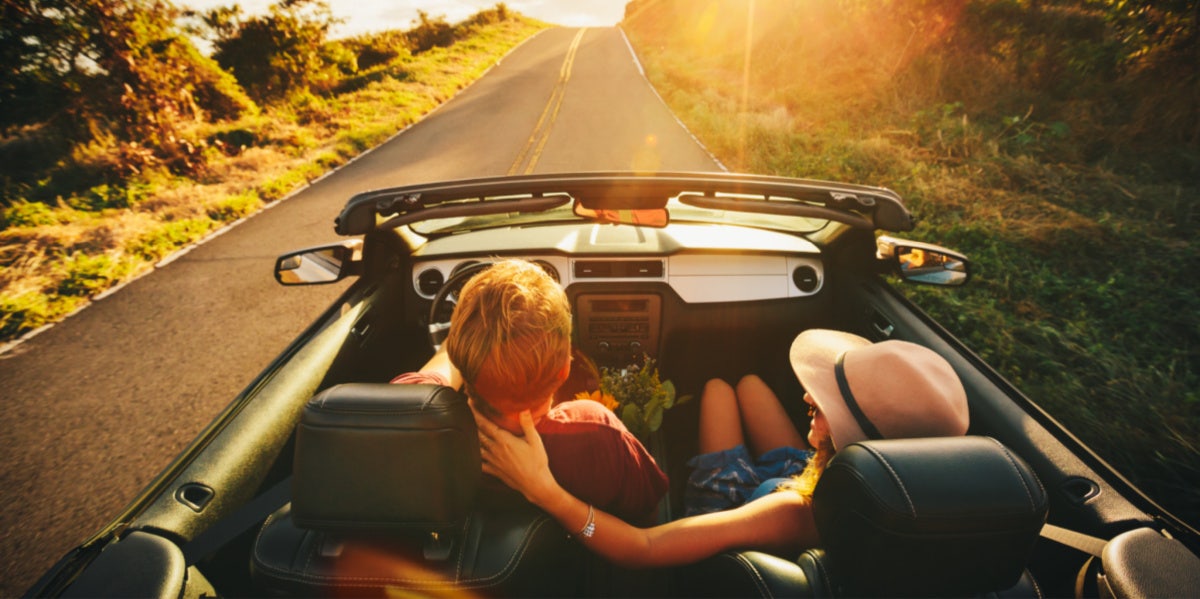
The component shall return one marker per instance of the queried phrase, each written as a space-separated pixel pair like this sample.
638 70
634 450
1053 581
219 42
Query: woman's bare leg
720 424
767 423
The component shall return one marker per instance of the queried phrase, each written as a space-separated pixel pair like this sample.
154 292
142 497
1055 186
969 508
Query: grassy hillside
1071 184
68 234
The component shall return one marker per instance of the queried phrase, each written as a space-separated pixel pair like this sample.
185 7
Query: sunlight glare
701 35
647 160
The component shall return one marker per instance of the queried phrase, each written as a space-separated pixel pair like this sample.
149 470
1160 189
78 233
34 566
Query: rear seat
387 500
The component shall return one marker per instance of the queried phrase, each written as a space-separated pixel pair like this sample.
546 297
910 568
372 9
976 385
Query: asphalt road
94 407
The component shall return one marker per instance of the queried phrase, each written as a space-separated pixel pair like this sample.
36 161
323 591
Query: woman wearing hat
856 390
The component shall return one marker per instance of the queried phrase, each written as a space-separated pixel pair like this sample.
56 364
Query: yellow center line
541 132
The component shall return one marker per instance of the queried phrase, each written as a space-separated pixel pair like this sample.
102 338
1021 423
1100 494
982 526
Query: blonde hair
510 336
806 482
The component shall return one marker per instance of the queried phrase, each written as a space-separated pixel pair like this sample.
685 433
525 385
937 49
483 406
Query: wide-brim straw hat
897 389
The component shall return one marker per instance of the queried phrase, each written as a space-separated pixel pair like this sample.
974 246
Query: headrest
934 516
384 457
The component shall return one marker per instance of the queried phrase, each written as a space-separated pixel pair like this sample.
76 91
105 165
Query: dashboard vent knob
805 278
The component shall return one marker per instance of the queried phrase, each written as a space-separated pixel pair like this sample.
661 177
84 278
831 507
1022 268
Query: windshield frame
695 197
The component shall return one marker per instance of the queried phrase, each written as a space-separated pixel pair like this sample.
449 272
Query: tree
428 33
111 68
37 55
276 54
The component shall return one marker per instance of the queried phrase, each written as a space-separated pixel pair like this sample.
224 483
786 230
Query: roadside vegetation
121 142
1053 141
1057 142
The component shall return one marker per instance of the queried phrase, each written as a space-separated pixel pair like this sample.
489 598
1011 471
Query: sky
368 16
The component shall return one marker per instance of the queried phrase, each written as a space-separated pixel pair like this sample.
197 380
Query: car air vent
805 278
549 268
429 281
618 269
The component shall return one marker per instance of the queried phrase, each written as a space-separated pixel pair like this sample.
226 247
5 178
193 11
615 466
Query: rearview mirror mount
641 217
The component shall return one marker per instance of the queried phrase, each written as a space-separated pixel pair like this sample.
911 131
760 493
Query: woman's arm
779 521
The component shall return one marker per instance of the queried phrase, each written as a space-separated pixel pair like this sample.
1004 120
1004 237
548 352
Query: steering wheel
438 331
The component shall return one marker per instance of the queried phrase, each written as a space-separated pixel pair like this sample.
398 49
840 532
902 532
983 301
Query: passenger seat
953 516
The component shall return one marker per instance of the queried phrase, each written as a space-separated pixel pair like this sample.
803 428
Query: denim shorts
726 479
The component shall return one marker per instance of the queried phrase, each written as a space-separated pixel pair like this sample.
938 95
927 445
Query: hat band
839 370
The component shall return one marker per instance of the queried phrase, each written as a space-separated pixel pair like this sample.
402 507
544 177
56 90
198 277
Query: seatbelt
1093 546
1090 545
229 527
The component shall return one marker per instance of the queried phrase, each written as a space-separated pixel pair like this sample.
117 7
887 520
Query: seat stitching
520 553
424 583
824 572
1012 462
312 550
462 553
755 575
258 537
895 477
1037 588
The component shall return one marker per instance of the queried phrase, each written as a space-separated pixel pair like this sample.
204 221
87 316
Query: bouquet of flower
636 394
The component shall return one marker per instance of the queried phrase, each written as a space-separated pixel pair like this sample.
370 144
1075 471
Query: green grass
22 312
85 274
159 242
235 207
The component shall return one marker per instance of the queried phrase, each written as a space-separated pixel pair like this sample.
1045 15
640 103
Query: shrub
24 312
233 141
85 275
280 53
430 33
29 214
235 207
168 237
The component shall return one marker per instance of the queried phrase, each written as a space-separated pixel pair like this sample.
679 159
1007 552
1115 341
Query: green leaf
654 417
669 388
631 415
683 399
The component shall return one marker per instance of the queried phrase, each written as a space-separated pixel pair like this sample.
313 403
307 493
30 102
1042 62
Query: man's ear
564 372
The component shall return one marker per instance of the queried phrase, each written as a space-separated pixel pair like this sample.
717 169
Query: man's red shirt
592 456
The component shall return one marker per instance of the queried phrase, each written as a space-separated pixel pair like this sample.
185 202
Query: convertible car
321 478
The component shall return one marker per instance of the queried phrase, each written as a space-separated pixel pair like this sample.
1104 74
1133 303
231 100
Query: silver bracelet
589 528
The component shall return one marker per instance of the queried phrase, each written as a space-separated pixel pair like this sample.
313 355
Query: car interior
384 493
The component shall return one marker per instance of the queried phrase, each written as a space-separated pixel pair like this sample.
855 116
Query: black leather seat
914 517
387 500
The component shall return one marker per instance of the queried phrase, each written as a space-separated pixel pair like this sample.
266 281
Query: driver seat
935 517
388 500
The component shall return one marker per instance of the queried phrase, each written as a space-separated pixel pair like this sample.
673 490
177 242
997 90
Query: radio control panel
616 329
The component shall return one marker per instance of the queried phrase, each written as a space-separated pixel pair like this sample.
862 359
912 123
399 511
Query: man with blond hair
509 349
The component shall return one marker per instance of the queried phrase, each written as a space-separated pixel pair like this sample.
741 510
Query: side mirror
320 265
926 263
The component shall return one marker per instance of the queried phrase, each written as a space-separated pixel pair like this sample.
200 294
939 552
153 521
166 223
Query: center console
616 329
